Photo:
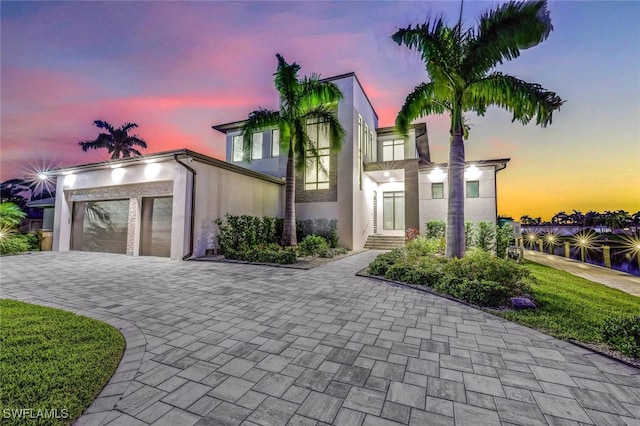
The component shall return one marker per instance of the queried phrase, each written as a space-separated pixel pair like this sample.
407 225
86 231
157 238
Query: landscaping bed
566 306
53 363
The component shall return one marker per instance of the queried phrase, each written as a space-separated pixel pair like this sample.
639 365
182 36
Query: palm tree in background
302 101
118 141
460 63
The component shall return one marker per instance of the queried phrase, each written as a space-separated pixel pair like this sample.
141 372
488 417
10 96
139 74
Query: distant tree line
617 219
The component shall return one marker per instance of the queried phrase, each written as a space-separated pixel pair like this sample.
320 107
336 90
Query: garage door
155 239
100 226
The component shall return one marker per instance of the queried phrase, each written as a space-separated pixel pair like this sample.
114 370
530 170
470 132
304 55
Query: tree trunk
455 206
289 238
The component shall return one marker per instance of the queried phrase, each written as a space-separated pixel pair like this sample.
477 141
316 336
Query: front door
393 211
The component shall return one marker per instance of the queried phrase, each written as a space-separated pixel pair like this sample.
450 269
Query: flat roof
226 127
178 153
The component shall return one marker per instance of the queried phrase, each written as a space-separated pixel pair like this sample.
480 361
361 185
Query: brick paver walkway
225 344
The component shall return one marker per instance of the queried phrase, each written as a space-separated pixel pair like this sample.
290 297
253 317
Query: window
360 142
393 210
473 189
393 150
437 190
256 146
372 148
275 143
316 173
238 152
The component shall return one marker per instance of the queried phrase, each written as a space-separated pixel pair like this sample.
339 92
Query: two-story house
165 204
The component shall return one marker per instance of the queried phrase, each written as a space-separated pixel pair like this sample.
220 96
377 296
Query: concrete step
384 242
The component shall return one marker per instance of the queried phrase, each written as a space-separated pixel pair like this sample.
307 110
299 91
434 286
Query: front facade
166 204
379 183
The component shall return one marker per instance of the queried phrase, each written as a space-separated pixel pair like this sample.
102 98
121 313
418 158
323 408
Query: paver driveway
227 344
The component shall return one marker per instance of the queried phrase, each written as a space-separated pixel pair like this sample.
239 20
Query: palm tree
302 101
459 63
117 141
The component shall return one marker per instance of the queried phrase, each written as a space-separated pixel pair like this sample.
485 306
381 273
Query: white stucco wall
220 191
482 209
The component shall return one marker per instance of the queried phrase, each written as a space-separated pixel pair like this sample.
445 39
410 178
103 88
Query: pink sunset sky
177 68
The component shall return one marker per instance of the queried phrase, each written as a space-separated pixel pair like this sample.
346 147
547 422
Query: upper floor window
256 146
317 164
238 151
473 189
393 150
275 143
437 190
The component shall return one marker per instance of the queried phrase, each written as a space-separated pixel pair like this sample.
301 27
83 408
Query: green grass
570 306
54 360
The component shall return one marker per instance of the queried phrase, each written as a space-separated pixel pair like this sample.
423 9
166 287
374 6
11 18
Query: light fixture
42 176
116 166
437 175
69 180
151 170
392 179
472 173
386 174
117 174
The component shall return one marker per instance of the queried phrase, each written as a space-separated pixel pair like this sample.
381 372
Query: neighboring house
165 204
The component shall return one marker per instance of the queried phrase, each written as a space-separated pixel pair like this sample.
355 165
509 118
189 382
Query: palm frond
314 92
128 126
426 99
104 125
301 142
135 140
524 100
324 114
503 32
258 120
286 82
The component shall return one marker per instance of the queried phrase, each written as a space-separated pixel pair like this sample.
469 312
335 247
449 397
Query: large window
393 150
238 152
275 143
256 146
316 173
393 210
473 189
437 190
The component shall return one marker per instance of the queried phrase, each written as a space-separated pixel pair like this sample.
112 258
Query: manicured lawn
572 307
54 360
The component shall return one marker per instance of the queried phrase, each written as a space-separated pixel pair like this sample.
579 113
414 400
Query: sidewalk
609 277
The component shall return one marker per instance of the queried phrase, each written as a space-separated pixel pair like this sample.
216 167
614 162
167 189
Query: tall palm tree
459 63
118 141
301 101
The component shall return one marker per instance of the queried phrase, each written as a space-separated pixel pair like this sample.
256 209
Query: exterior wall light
42 176
152 170
117 174
437 175
69 180
472 173
386 174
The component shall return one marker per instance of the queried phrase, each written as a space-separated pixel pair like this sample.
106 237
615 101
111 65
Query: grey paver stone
309 359
342 356
231 389
483 384
388 370
139 400
274 384
352 375
154 412
552 375
468 415
403 393
396 412
273 412
561 407
348 417
520 413
439 406
204 405
365 400
370 420
420 418
236 367
251 400
424 367
446 389
275 363
225 414
186 394
320 407
158 375
296 394
600 401
314 379
177 417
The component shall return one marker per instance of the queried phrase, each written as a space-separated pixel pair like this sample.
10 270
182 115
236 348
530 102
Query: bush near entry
623 334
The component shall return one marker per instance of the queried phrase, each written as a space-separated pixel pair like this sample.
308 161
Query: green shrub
435 229
469 234
423 246
263 255
382 262
239 233
326 228
327 254
426 272
477 292
312 245
340 250
10 215
623 334
14 243
485 236
504 235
